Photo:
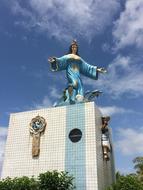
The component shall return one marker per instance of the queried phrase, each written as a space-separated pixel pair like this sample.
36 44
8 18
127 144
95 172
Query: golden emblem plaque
37 127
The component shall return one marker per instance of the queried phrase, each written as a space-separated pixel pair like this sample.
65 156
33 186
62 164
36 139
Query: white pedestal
82 159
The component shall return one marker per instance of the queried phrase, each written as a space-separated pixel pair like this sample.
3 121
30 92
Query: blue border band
75 155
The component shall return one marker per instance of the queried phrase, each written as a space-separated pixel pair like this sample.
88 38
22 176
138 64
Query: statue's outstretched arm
58 64
91 71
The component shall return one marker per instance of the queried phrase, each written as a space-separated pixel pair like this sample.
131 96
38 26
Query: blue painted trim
75 153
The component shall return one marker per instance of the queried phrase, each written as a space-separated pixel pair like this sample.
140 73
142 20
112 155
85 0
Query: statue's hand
51 60
53 63
101 70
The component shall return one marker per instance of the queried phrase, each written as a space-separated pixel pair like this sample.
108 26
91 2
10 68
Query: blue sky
109 33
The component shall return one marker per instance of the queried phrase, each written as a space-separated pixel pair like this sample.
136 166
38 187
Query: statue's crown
74 42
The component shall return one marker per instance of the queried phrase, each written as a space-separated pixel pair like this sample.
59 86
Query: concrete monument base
72 141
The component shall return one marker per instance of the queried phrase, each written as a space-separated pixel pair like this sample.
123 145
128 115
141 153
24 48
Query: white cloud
48 100
3 135
111 110
129 27
124 77
23 68
130 141
67 19
106 47
54 93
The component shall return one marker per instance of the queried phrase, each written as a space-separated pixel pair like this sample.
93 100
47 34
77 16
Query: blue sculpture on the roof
74 66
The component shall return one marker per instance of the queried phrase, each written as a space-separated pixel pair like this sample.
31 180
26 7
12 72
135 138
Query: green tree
118 175
6 184
138 161
46 181
25 183
55 181
128 182
22 183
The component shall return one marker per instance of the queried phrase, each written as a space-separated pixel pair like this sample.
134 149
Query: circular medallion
37 125
75 135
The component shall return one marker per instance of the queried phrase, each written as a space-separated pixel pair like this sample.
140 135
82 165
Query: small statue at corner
105 138
74 66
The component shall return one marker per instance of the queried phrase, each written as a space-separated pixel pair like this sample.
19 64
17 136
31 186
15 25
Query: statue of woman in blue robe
74 66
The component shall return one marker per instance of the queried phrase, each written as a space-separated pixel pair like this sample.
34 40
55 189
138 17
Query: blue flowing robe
73 69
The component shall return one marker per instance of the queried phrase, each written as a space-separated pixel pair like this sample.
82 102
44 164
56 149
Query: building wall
84 159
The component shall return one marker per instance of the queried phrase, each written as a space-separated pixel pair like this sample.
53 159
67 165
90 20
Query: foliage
45 181
22 183
131 181
51 180
6 184
118 175
138 161
128 182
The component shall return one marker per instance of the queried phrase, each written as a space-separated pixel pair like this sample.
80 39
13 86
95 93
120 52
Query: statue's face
74 49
